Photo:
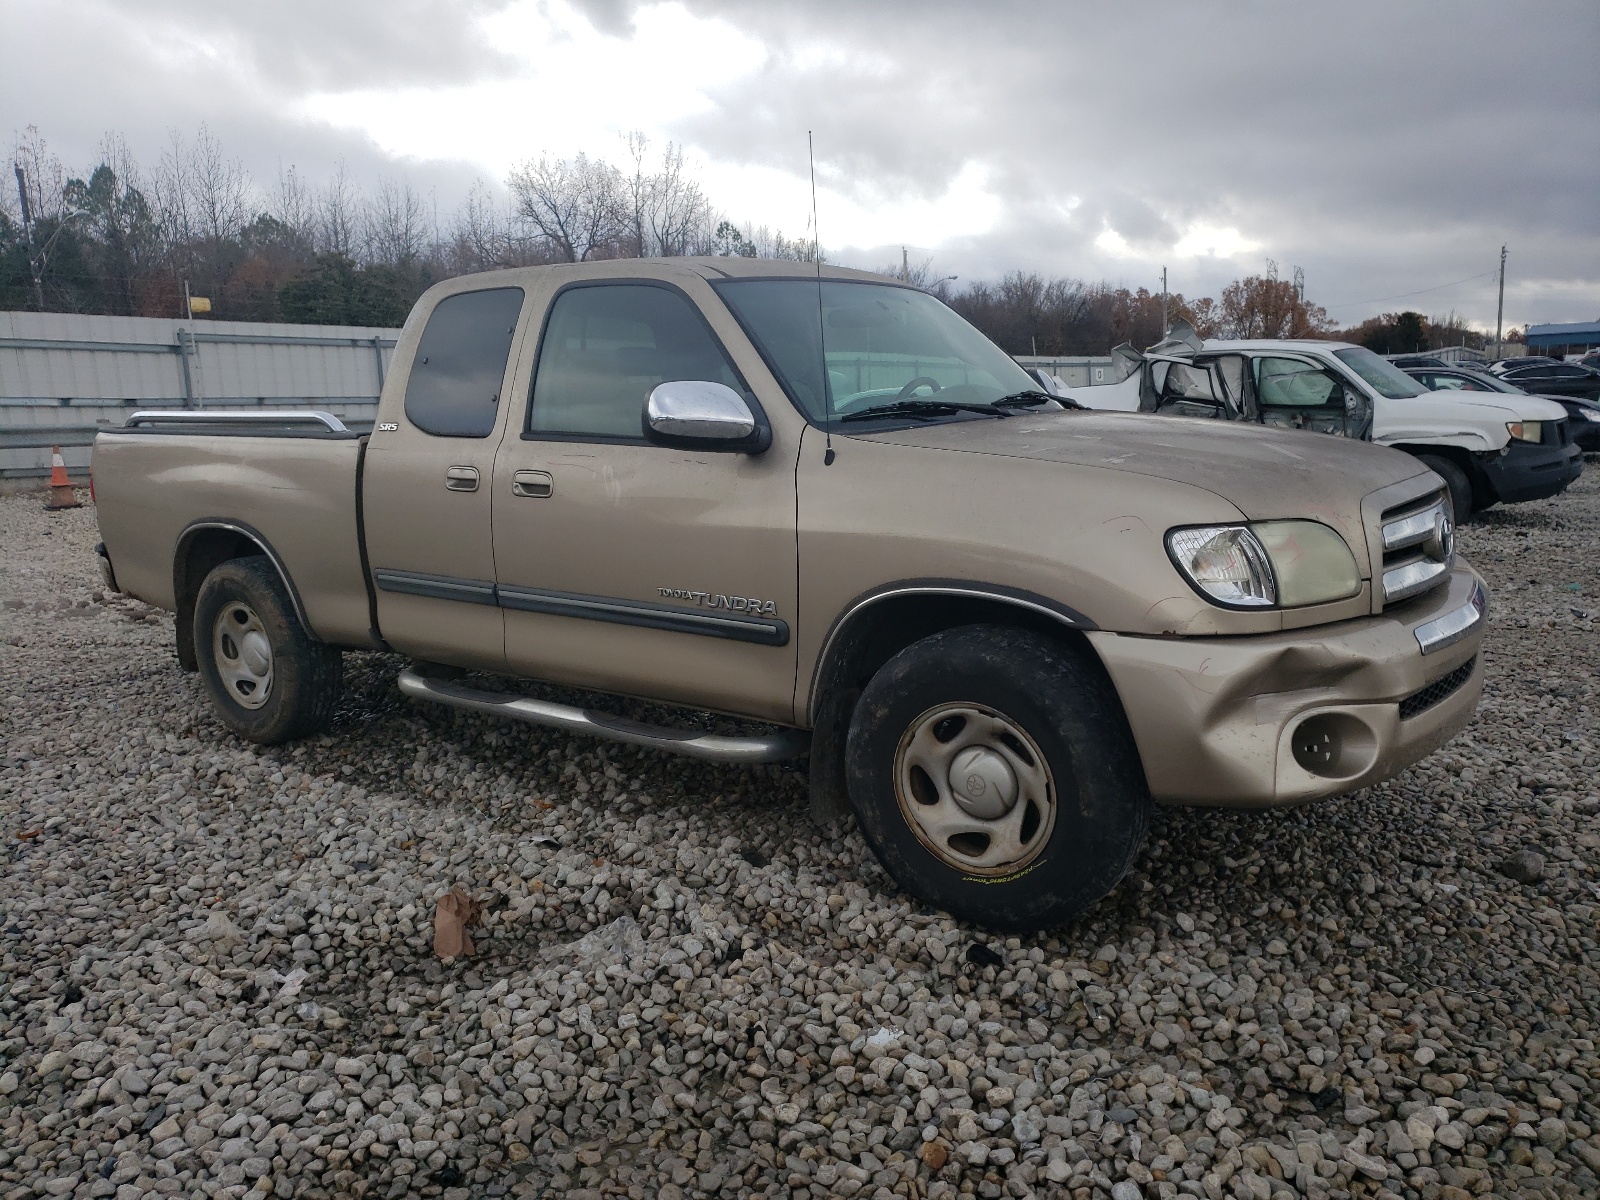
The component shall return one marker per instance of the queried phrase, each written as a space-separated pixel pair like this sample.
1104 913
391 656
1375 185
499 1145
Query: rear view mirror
700 415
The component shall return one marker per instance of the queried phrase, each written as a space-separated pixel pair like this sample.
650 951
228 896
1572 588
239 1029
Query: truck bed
292 485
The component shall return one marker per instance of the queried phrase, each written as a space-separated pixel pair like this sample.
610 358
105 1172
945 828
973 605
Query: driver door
627 566
1300 393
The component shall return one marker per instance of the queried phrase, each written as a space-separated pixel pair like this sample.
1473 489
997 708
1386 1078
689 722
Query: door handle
532 483
461 479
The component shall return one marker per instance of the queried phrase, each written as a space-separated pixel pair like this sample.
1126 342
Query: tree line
123 239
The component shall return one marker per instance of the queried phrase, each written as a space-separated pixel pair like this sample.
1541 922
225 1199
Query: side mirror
694 414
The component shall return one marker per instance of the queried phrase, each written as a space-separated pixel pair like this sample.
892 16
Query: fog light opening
1334 745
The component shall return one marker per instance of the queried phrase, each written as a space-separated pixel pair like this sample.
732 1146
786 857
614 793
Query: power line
1418 292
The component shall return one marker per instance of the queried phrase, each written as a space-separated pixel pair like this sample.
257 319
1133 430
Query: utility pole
905 266
1163 302
1500 309
27 229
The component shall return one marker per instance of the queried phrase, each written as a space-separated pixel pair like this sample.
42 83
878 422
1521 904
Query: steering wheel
919 381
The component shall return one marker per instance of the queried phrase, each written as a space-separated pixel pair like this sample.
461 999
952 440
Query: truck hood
1475 420
1264 473
1515 408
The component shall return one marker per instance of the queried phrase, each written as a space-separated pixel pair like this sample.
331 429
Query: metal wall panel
64 375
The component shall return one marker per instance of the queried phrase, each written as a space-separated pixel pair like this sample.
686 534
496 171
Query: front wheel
1456 482
994 776
268 681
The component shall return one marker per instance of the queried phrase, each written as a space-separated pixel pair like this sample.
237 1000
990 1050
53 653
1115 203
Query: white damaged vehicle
1488 447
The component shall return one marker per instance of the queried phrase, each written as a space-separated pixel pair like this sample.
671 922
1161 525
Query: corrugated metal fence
65 375
1074 370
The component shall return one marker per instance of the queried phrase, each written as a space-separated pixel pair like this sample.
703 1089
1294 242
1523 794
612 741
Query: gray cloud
1385 148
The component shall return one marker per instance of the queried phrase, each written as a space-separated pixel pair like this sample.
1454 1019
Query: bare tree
481 236
396 226
295 208
221 190
669 212
577 207
44 177
338 210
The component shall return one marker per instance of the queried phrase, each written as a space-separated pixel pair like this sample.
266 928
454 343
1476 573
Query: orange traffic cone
61 493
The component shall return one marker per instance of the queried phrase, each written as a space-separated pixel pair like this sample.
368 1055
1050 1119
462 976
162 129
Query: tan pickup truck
999 626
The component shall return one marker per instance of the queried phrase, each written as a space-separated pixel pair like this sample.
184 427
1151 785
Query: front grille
1556 433
1438 690
1415 560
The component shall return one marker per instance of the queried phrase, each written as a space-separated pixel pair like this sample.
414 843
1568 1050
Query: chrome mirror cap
699 413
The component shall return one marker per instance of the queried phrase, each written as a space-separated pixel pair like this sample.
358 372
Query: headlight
1227 563
1525 431
1273 564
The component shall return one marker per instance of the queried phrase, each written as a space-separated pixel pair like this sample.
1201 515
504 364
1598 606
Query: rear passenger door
627 566
427 476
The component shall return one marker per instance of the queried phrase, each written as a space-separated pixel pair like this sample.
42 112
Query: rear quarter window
460 365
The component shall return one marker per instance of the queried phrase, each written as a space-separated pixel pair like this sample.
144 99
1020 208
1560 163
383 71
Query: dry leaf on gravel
452 913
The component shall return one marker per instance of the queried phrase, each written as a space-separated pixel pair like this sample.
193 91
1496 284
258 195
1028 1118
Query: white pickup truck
1488 447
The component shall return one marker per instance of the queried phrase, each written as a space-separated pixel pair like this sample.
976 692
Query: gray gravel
218 977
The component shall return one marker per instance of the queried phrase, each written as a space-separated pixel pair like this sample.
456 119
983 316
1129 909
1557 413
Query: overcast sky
1384 147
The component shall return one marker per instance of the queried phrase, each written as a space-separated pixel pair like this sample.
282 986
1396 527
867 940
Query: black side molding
642 613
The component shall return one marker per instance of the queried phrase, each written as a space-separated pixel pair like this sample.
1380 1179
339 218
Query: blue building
1558 340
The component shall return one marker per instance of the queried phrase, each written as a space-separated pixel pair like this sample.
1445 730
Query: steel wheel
243 654
975 788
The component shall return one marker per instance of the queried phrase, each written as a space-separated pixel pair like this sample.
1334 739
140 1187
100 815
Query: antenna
822 335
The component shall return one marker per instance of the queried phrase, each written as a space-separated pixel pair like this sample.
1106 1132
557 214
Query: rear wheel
1455 479
268 681
994 776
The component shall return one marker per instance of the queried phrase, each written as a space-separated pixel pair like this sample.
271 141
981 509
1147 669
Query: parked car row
1489 446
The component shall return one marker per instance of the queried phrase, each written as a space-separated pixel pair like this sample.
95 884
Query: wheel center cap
256 652
983 783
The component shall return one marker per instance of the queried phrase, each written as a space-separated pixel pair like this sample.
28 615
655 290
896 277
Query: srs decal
744 604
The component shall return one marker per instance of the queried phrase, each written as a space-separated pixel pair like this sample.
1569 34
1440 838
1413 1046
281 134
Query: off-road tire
306 676
1456 483
1064 704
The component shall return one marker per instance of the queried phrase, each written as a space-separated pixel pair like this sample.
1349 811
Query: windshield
1380 374
883 344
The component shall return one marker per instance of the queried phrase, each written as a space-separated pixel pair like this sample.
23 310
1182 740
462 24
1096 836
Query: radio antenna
822 336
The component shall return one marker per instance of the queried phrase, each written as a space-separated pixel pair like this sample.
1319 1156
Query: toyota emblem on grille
1442 541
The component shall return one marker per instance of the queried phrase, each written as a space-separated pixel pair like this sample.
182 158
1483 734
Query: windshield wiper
1029 398
922 410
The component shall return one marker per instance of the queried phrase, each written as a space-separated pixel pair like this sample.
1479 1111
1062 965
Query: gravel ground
218 975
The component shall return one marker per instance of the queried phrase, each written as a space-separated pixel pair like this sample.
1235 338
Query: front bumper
1532 471
1281 719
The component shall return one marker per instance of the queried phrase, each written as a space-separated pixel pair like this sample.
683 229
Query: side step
780 746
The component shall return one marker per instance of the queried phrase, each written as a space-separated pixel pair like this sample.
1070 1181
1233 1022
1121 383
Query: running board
780 746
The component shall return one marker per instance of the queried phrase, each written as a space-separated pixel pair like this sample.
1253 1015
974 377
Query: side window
454 387
605 347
